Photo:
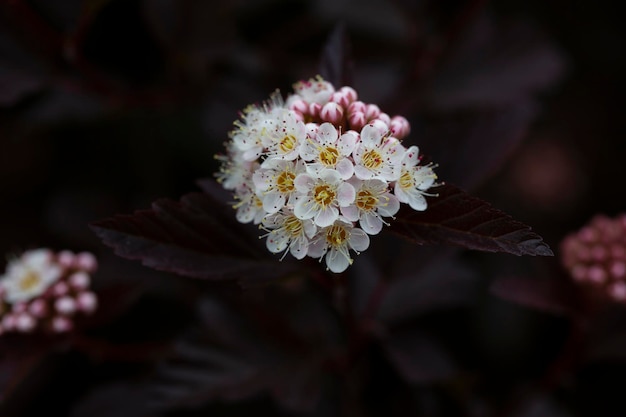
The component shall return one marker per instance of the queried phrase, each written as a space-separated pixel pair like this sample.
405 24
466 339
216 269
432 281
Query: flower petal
345 194
336 261
326 216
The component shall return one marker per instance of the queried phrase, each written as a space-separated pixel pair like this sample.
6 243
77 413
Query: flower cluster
321 171
46 290
596 255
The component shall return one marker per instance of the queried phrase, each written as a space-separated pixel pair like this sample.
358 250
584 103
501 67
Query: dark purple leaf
495 65
250 348
418 357
546 294
194 237
459 219
120 399
336 61
470 146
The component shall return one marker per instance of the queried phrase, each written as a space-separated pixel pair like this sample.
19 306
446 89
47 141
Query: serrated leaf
456 218
336 60
194 238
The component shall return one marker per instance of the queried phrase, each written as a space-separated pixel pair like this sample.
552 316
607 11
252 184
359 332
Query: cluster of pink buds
596 255
321 171
43 290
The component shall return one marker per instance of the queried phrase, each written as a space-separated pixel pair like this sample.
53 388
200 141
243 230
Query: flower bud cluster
321 171
43 290
596 255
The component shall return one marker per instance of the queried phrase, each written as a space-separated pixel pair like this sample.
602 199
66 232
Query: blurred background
109 105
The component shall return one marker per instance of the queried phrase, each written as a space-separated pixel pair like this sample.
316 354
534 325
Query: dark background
106 106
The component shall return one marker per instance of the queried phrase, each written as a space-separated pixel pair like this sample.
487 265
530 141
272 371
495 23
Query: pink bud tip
19 307
38 308
400 127
357 107
66 259
331 112
618 291
80 280
596 274
65 305
350 93
372 111
618 269
62 324
385 118
314 109
8 322
86 261
356 120
60 288
299 105
87 302
25 323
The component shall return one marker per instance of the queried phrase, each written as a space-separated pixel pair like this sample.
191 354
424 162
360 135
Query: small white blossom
29 276
275 183
377 156
325 149
282 136
322 196
249 206
414 181
373 201
335 242
288 233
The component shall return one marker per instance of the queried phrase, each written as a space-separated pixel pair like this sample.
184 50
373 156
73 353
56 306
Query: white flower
288 233
249 132
373 201
235 172
334 243
414 181
249 206
29 276
327 150
275 182
377 156
314 90
282 135
322 196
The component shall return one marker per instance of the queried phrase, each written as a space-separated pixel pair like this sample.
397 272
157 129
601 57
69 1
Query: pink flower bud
299 105
87 302
19 307
25 323
596 274
357 120
61 324
385 118
79 280
60 288
8 322
86 261
65 305
314 109
65 259
618 269
332 112
38 308
349 93
400 127
372 111
618 291
356 107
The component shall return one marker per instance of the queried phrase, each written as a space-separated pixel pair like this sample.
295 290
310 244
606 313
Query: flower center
324 195
329 156
293 226
29 281
284 182
365 200
336 235
406 180
287 144
372 159
257 202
